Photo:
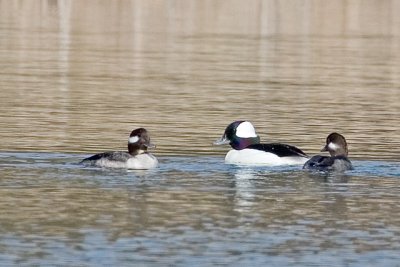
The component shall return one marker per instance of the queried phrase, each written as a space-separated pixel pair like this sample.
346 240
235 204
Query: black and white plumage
247 149
137 156
336 145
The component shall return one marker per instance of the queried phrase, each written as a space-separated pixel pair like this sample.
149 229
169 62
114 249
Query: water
77 77
196 211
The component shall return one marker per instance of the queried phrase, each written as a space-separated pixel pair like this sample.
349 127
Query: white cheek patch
246 130
133 139
333 146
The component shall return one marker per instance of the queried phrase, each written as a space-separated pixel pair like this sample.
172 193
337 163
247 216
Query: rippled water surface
77 76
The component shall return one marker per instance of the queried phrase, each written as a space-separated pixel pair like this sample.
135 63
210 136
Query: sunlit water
77 76
195 211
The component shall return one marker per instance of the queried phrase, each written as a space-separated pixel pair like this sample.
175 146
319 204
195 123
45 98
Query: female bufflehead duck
338 161
137 156
247 149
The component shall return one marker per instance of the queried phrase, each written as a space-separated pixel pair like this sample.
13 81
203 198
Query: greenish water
77 76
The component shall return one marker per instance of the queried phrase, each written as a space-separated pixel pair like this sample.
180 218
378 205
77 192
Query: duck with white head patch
137 156
247 149
336 145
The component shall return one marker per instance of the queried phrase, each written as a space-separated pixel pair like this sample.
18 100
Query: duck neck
339 152
135 149
242 143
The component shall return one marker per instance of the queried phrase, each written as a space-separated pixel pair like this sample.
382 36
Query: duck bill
325 148
150 145
222 141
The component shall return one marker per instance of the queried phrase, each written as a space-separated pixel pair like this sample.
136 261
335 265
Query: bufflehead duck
337 146
247 149
137 156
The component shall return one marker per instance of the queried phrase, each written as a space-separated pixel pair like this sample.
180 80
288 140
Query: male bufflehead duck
137 156
247 149
337 146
